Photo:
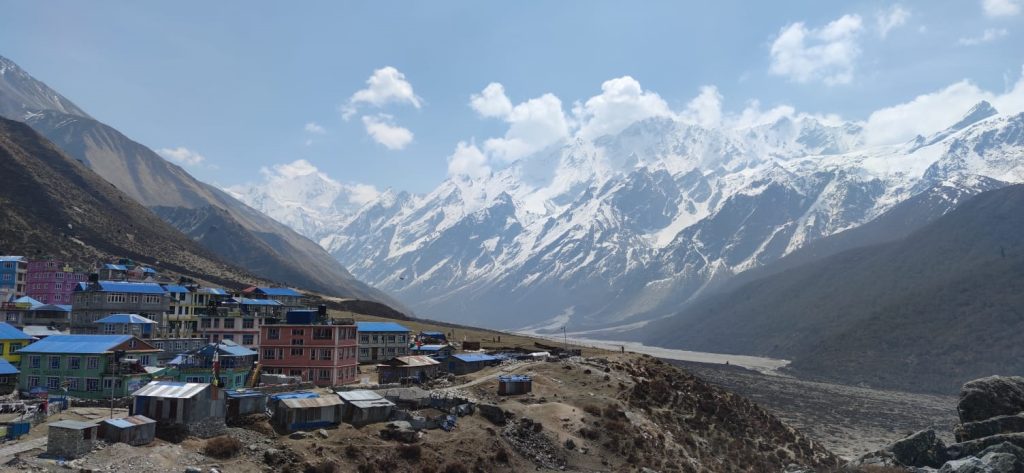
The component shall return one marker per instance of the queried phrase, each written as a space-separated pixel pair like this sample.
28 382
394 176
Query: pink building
51 281
324 354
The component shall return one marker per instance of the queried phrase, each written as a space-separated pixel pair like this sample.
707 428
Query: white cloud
752 115
469 161
386 85
314 128
287 171
361 194
892 18
706 108
286 182
987 36
1001 7
622 102
824 54
533 124
382 129
491 102
930 113
182 156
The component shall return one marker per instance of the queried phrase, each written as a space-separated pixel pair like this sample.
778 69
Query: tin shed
362 407
307 413
243 403
509 385
134 430
197 407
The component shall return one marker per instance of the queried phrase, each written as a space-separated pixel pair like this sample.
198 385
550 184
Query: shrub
410 452
592 409
351 451
326 466
501 456
455 468
222 447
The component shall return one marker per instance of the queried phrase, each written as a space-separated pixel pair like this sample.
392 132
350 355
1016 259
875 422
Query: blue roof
231 350
514 377
8 332
149 270
295 395
433 334
380 327
175 288
234 393
430 347
11 258
53 308
278 291
125 319
474 357
122 286
6 368
118 267
247 301
86 344
216 290
28 300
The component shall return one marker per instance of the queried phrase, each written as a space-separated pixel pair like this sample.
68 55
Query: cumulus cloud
752 115
892 18
989 35
292 170
182 156
532 125
1001 7
827 54
929 113
361 194
468 161
622 102
386 85
382 129
314 128
706 108
285 182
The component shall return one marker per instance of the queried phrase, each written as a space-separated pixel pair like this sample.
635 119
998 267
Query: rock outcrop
990 397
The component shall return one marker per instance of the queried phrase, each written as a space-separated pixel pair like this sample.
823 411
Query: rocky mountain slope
627 228
923 313
217 221
56 206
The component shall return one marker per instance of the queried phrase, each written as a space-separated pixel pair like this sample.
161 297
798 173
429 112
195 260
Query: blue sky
237 83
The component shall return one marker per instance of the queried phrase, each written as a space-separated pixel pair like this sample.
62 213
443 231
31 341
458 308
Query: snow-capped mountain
627 227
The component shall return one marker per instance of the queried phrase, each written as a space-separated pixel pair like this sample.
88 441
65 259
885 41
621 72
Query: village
121 364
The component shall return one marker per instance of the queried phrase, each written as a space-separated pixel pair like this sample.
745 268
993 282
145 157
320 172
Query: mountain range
218 222
605 235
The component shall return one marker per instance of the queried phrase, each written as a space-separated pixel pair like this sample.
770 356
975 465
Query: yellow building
12 340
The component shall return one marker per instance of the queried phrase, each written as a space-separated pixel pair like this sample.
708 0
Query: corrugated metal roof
433 334
417 360
175 288
87 344
11 258
380 327
171 389
359 395
125 319
122 286
373 403
430 347
41 331
247 301
117 267
278 291
312 402
32 303
214 290
6 368
72 424
126 422
245 394
53 308
294 395
474 357
230 350
9 332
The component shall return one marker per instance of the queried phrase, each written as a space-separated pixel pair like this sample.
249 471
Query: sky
402 95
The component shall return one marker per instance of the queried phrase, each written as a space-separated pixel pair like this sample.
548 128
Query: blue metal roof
53 308
474 357
86 344
278 291
122 286
234 393
125 319
149 270
380 327
247 301
430 347
6 368
295 395
118 267
11 258
433 334
230 350
28 300
514 378
216 291
175 288
9 332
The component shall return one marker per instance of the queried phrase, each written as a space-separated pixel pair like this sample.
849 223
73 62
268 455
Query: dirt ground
848 420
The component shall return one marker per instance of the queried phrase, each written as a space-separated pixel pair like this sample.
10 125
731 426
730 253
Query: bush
455 468
501 456
592 409
351 451
410 452
222 447
326 466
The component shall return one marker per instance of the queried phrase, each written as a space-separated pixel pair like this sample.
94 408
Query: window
116 298
134 298
216 323
108 328
268 354
247 340
33 381
294 372
229 323
325 375
2 348
274 333
74 384
58 286
53 383
376 338
92 384
364 352
247 323
152 299
145 360
195 379
54 362
297 341
364 339
391 338
322 334
391 350
34 361
312 353
298 332
296 352
229 337
108 384
92 363
326 354
204 323
401 339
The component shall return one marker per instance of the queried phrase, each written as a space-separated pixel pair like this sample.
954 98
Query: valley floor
848 420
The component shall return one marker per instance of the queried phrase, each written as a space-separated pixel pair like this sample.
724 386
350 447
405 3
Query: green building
196 366
88 366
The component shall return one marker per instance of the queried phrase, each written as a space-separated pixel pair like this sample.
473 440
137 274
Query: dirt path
20 447
486 378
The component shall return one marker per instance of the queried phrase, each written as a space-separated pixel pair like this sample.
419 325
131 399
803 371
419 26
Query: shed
362 407
243 403
408 368
434 351
465 363
134 430
70 438
197 407
307 413
513 384
412 397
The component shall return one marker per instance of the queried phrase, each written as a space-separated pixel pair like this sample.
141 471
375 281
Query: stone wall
206 428
69 443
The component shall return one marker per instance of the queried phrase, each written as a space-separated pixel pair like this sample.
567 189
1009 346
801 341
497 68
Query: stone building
70 438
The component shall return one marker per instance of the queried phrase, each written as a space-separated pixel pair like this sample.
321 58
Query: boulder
1005 447
988 427
990 397
976 447
990 463
298 435
493 413
923 448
